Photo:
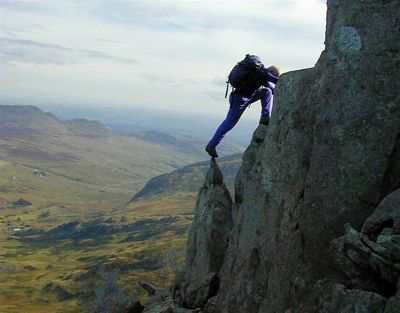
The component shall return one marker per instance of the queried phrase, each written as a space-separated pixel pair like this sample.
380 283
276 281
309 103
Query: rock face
330 157
208 240
370 259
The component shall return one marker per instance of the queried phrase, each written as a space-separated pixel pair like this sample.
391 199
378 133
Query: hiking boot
264 120
212 152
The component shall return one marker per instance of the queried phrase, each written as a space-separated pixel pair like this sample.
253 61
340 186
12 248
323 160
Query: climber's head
273 69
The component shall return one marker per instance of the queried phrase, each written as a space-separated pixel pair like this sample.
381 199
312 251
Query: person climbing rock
251 82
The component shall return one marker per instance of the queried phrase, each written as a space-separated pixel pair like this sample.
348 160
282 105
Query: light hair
275 70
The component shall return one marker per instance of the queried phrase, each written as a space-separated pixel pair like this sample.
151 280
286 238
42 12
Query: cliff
316 212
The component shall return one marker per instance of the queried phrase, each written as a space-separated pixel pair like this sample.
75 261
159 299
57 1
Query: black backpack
239 76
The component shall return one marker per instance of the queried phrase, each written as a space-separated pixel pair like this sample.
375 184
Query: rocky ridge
315 222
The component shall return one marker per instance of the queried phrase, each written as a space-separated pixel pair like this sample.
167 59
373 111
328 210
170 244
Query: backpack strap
227 87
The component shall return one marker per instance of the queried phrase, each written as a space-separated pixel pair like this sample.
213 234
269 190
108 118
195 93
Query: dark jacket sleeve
268 77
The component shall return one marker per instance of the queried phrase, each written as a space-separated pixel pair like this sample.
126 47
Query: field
42 274
47 269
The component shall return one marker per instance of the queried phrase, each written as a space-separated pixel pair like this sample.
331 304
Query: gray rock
393 305
376 249
353 301
364 261
386 216
249 160
167 305
371 259
199 291
209 232
151 290
21 203
109 297
208 239
210 305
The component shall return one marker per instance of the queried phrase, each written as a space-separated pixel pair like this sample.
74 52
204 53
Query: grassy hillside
75 235
61 269
80 160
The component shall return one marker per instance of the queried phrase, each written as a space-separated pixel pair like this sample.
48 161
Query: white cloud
28 51
181 46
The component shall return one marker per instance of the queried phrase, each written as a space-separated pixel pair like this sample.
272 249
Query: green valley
68 227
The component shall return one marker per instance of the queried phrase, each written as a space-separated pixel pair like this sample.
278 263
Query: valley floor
50 262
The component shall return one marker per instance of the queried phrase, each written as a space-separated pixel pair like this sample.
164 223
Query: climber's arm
270 86
268 77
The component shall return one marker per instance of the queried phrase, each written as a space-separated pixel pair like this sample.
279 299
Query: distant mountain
185 127
189 178
77 158
22 122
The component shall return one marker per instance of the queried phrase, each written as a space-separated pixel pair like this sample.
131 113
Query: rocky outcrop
21 203
329 157
198 284
208 239
109 297
344 300
370 259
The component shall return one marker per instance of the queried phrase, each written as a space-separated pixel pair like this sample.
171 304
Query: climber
251 82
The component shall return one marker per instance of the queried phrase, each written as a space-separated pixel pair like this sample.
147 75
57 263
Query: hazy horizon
170 55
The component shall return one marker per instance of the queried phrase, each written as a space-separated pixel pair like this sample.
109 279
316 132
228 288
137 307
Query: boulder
371 258
151 290
197 293
384 223
167 305
354 301
210 305
22 202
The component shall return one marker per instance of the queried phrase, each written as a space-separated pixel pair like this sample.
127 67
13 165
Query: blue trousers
239 103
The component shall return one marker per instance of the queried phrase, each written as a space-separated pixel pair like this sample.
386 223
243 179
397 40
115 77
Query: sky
171 55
